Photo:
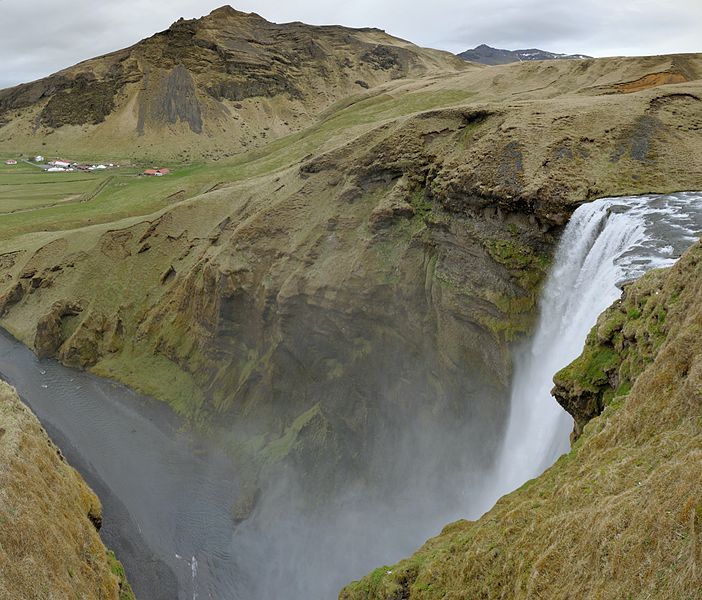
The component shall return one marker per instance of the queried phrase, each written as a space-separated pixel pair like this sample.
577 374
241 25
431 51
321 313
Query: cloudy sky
43 36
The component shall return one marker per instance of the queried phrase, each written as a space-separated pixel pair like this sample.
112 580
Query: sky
40 37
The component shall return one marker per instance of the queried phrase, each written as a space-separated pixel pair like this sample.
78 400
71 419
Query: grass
56 201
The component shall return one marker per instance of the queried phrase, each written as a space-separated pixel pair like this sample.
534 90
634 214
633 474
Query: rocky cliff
619 516
366 273
49 518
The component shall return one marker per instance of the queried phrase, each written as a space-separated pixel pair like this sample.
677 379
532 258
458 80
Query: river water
167 495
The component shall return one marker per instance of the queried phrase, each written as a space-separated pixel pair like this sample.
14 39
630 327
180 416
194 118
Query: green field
32 200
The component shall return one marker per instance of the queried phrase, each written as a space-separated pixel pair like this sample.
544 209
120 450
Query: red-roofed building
11 161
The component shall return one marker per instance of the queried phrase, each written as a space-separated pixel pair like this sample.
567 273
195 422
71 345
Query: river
165 495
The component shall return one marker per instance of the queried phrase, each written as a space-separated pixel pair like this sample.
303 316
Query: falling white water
605 243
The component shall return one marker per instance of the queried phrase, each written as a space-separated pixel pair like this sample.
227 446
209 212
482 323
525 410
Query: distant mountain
495 56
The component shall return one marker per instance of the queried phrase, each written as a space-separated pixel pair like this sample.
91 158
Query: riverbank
165 497
49 518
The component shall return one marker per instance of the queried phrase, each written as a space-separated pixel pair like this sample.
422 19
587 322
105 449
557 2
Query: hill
205 88
487 55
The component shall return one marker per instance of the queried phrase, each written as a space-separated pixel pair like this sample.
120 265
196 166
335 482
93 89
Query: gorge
130 450
333 321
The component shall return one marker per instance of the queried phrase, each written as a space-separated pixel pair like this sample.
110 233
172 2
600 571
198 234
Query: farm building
11 161
157 172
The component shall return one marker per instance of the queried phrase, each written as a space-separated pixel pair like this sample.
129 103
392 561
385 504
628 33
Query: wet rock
11 297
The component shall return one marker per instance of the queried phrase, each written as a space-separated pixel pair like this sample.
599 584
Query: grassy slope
49 547
620 515
60 203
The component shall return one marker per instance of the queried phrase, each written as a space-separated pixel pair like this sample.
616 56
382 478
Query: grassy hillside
49 545
620 515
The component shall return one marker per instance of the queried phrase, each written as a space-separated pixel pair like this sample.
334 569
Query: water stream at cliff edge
605 244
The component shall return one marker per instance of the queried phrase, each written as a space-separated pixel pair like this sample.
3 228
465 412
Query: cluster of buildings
59 165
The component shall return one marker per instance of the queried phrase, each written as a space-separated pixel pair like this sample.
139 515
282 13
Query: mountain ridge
208 87
488 55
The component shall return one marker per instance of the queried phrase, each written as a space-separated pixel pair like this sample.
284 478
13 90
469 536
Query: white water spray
605 243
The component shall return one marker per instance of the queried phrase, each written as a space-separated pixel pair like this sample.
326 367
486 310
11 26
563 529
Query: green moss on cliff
624 342
125 590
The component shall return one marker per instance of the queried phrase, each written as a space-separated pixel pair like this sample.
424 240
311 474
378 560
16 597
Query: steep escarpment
624 504
369 272
49 518
206 87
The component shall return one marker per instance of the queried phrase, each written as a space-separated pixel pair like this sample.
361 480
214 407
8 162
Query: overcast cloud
38 38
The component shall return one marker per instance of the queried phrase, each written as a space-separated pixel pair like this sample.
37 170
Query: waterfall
605 243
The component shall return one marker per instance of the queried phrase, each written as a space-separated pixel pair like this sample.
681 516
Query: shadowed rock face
635 393
174 100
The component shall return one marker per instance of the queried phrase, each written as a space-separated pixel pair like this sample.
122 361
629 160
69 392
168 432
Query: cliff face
49 518
369 271
205 88
620 515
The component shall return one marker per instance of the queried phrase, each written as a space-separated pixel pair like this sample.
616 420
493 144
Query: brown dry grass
620 516
49 547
